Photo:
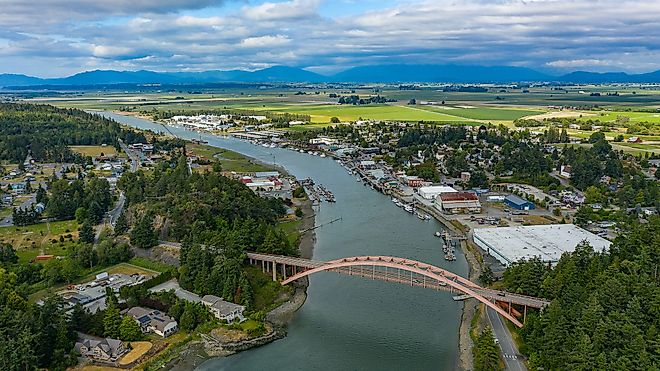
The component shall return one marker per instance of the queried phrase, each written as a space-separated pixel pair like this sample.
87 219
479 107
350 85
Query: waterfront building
223 310
458 202
548 242
431 192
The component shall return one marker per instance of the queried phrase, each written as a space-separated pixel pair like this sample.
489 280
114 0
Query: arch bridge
403 271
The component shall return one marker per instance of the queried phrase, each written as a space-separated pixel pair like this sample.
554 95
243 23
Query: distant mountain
439 73
395 73
9 79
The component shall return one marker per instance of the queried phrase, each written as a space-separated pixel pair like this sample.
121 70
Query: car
497 341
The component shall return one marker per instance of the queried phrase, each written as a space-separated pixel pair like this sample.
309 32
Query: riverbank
465 343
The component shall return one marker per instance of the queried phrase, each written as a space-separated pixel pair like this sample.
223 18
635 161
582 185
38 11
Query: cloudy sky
62 37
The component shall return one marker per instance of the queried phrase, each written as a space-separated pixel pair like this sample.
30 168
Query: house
565 171
634 140
458 202
109 350
518 203
151 320
222 309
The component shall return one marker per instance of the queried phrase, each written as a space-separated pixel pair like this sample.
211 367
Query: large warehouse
549 242
431 192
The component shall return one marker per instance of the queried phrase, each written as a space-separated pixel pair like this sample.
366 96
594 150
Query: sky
62 37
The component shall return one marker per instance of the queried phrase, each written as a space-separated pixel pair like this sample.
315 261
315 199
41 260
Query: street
510 354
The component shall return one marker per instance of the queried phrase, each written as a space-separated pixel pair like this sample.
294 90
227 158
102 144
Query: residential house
565 171
222 309
108 350
151 320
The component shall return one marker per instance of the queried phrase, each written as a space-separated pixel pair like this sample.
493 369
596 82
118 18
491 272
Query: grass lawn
291 230
139 349
150 265
94 151
30 241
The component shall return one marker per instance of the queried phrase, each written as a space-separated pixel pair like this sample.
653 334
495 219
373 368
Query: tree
334 120
596 136
486 353
129 330
7 254
486 276
112 321
86 234
143 234
121 225
188 321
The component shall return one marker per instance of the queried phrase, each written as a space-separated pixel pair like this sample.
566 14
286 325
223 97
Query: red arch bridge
399 270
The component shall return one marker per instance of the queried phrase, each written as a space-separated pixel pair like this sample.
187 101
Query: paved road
512 358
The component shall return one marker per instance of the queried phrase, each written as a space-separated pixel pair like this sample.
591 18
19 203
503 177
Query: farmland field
485 113
323 113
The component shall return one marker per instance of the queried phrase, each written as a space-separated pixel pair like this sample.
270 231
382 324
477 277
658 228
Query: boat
437 234
420 216
323 155
408 208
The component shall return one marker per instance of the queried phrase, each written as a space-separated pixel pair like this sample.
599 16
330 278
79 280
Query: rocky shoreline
209 347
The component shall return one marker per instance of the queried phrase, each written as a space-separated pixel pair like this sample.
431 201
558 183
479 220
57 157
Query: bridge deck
402 277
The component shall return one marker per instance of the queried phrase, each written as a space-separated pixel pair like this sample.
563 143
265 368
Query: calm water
349 323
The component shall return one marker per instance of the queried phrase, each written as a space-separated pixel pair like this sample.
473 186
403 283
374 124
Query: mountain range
397 73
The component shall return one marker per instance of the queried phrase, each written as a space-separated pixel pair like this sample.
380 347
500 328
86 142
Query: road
112 215
512 358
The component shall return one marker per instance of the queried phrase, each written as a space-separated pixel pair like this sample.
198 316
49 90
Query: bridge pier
274 271
283 271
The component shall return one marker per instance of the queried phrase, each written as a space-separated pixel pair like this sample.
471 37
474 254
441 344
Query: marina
334 318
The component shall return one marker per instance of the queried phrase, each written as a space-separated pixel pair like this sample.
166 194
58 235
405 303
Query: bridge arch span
457 282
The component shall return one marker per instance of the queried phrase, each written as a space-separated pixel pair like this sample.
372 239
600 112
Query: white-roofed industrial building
548 242
431 192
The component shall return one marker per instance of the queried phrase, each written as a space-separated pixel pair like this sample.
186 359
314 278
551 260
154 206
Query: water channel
350 323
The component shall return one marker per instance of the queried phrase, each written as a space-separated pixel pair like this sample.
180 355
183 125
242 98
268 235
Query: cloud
282 11
267 41
196 35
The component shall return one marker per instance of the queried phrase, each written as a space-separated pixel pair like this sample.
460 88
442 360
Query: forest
605 309
217 218
47 132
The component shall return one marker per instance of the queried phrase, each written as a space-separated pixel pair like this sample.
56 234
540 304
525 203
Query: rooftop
548 242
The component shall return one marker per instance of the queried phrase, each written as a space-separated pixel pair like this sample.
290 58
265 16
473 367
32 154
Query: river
350 323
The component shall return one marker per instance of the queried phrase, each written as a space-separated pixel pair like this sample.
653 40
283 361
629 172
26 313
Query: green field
613 116
33 240
323 113
483 113
230 160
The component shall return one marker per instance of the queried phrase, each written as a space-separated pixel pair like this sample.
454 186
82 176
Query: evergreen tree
86 234
143 234
486 353
112 321
121 225
129 330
